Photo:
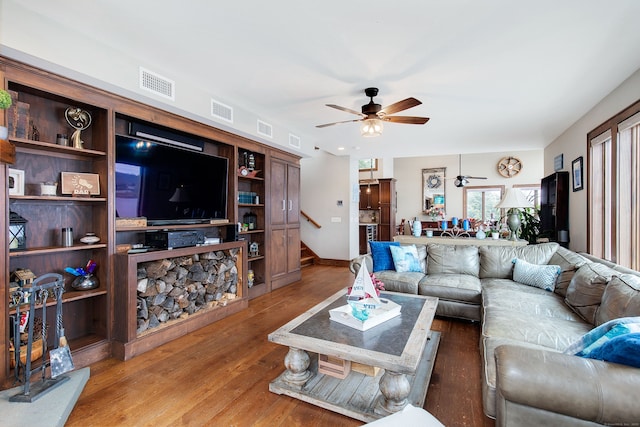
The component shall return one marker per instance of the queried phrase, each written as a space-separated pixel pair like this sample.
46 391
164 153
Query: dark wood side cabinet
554 207
284 221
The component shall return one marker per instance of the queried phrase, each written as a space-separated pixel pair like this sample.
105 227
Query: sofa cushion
569 262
621 298
528 300
381 254
551 332
539 276
495 261
405 258
452 287
400 282
452 259
586 288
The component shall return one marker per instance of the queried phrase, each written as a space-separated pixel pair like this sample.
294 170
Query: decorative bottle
417 227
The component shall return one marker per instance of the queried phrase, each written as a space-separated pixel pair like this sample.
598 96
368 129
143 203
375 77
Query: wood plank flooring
220 374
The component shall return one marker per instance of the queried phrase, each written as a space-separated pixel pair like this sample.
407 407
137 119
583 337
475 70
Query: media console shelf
129 341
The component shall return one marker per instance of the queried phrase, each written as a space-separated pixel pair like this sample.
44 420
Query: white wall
325 180
408 174
573 143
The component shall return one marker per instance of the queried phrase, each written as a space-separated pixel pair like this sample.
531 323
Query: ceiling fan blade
337 123
348 110
406 119
405 104
475 177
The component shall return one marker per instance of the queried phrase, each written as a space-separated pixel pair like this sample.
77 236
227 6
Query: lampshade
371 127
180 195
514 198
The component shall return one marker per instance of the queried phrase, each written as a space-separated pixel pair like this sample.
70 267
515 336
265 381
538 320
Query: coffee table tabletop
403 346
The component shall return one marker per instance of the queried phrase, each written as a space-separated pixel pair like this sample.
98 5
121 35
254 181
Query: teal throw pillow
539 276
616 341
406 258
381 255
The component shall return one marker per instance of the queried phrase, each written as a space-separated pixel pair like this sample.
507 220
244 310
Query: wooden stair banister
309 219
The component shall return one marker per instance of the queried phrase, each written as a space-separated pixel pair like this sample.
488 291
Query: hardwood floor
220 374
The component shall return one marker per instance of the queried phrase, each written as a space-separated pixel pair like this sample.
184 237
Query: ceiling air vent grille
294 140
221 111
265 129
157 84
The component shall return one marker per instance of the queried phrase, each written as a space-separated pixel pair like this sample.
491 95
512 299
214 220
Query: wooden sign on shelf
80 184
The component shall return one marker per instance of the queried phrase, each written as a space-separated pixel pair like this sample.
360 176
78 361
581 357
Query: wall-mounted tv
167 184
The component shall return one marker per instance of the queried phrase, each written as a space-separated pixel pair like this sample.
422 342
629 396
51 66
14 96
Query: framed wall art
433 189
576 172
16 182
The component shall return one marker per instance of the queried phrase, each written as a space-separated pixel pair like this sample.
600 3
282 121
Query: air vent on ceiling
221 111
157 84
265 129
294 140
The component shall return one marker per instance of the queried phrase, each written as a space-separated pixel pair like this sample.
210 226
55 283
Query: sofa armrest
556 386
354 265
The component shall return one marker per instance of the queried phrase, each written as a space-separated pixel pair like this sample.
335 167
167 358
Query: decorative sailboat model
364 309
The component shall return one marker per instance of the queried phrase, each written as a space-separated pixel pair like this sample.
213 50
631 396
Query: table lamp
513 200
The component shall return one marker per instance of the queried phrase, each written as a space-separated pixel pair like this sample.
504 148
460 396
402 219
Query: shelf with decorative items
58 190
251 214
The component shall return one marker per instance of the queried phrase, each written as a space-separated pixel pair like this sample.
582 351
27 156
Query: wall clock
509 166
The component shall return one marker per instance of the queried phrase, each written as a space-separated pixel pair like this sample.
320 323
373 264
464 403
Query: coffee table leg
395 389
297 363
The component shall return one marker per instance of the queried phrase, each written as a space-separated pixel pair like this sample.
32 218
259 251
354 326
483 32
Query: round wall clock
434 181
509 166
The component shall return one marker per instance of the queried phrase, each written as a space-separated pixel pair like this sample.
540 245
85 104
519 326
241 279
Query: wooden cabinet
369 196
285 222
39 159
554 207
388 207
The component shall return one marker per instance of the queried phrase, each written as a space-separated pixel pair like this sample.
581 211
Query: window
480 202
613 216
368 165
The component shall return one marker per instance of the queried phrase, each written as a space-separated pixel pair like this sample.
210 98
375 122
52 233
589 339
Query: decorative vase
417 228
480 234
4 132
495 235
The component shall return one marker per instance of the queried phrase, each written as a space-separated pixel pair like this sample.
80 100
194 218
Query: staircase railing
309 219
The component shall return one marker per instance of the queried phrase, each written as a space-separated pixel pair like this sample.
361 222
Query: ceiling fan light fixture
371 128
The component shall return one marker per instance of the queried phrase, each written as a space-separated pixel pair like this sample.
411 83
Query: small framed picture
16 182
576 171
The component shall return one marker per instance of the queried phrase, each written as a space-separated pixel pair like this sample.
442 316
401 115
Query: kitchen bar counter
424 240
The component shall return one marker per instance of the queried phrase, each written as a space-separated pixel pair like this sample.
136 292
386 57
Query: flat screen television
167 184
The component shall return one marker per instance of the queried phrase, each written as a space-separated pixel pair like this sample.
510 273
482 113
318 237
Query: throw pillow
539 276
586 288
621 298
381 255
406 258
616 341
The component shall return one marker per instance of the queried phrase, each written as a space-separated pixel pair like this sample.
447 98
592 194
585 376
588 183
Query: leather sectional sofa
527 379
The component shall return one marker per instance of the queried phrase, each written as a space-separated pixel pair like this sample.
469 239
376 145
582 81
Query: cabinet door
278 253
293 250
278 196
293 194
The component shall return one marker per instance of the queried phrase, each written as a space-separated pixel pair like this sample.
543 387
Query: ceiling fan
373 114
462 180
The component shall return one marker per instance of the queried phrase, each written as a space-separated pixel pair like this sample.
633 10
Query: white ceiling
493 75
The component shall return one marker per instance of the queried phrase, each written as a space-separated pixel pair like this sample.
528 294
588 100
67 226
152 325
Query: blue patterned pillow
615 341
406 258
381 255
539 276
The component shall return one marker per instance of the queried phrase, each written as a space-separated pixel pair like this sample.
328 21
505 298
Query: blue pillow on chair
381 254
